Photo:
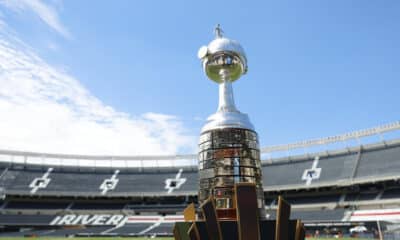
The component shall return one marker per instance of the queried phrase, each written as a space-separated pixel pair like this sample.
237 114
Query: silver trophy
228 148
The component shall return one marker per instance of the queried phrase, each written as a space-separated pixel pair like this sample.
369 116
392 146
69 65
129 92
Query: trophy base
229 230
226 214
247 225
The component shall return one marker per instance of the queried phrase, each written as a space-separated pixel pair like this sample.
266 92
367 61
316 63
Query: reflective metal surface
220 120
228 147
228 156
224 61
222 65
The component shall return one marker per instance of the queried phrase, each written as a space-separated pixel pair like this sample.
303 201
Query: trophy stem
226 100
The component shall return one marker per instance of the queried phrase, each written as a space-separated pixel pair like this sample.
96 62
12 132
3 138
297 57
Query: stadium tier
376 162
330 187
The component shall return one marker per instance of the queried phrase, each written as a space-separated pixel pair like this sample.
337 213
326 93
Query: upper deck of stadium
73 175
177 161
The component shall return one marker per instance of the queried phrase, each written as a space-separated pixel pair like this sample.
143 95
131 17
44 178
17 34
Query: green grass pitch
134 238
82 238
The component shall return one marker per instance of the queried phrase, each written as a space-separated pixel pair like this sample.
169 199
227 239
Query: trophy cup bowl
223 60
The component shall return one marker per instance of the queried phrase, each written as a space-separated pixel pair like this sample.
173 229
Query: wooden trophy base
247 225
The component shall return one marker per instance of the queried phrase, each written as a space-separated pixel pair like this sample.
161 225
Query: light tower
228 148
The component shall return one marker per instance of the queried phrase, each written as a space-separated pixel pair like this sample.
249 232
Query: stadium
352 190
105 130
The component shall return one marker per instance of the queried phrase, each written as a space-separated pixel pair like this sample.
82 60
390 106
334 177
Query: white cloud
45 109
45 12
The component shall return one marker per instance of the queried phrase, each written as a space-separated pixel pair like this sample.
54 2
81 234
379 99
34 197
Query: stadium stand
36 205
162 229
42 198
356 165
377 162
25 220
131 228
391 193
335 215
96 206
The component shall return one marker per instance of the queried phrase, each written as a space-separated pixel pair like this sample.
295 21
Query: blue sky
316 68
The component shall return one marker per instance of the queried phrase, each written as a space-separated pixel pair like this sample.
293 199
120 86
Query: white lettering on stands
67 220
83 220
55 220
101 219
115 220
98 219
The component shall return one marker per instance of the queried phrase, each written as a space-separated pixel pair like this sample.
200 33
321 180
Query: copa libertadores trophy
228 147
230 183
